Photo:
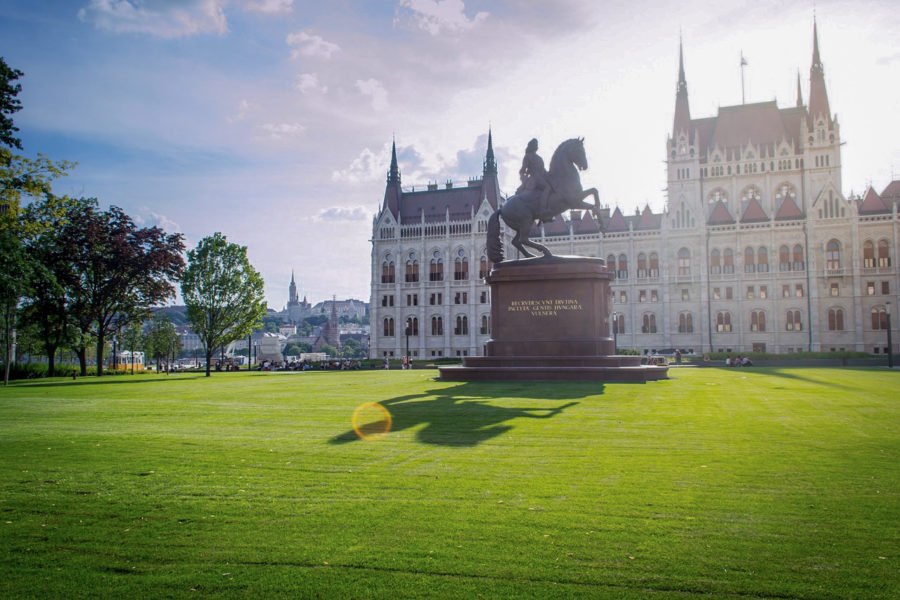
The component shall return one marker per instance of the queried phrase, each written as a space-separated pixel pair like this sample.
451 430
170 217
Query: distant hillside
177 314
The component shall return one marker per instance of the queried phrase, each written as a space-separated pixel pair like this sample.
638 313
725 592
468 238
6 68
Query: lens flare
371 421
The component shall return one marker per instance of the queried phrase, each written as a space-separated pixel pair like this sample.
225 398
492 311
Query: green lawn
759 483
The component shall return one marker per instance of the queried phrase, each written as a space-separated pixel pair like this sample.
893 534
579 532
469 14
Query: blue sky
271 120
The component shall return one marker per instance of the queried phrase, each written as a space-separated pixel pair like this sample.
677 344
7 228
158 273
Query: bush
39 371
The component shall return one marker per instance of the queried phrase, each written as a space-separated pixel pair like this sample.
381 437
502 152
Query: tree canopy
223 293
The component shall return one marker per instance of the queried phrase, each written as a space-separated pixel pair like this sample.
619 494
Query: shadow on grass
106 380
464 415
791 373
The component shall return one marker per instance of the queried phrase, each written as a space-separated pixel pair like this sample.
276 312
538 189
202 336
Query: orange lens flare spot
371 421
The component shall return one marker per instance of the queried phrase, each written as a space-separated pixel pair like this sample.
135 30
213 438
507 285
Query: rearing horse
521 210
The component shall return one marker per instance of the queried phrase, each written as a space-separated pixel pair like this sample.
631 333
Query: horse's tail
494 243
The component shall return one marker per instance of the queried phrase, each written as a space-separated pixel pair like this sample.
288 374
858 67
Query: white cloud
244 107
365 168
309 44
340 213
435 16
167 20
279 131
270 7
154 219
308 83
375 90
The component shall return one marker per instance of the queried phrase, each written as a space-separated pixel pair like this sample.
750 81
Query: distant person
678 356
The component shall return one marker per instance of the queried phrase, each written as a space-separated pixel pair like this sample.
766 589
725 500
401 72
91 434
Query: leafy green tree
223 293
291 350
9 104
14 265
305 347
121 271
352 349
316 320
161 338
133 338
330 350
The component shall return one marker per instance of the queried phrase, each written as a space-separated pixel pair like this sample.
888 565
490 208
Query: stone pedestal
550 320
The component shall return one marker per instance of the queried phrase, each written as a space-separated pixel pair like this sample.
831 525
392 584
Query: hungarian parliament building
758 249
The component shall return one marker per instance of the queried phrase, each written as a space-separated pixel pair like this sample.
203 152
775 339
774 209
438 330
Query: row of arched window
723 322
435 267
756 260
437 326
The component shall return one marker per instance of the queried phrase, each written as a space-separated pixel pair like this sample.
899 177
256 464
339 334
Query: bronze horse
520 211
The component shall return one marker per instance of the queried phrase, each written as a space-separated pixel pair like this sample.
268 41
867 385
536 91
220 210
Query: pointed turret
682 122
818 97
292 291
490 164
799 91
392 189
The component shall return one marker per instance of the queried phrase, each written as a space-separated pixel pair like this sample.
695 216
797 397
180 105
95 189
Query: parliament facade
758 248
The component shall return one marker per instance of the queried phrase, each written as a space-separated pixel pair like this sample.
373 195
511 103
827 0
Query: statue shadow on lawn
465 415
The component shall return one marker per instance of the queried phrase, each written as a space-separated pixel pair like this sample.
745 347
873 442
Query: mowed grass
760 483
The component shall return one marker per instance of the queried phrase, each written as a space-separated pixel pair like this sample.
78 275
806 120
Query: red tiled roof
720 215
434 203
761 124
788 211
648 220
754 213
873 204
557 227
617 222
892 192
586 224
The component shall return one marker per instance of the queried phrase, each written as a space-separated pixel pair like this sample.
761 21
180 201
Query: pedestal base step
553 368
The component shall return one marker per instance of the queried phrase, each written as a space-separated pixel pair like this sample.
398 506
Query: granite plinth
550 321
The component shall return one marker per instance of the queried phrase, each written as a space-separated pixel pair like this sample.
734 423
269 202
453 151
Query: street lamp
890 348
408 331
615 320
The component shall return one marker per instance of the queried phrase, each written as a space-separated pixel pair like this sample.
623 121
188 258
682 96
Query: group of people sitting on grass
739 361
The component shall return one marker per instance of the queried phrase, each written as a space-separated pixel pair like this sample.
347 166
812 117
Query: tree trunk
208 360
99 352
82 359
51 359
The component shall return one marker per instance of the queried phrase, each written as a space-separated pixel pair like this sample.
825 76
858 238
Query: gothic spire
490 164
682 120
818 96
393 175
799 91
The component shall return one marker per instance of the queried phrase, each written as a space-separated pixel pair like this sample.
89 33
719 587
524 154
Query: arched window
835 319
799 263
723 321
784 259
869 255
757 320
685 322
642 265
387 269
833 255
436 272
437 325
618 323
389 327
412 268
461 266
749 260
412 326
728 261
762 260
654 264
715 262
648 323
884 254
462 325
622 272
879 318
792 321
485 324
484 267
684 261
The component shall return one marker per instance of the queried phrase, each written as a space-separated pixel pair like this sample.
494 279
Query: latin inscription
544 308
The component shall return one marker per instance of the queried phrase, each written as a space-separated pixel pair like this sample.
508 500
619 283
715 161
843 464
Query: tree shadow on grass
792 374
465 415
110 379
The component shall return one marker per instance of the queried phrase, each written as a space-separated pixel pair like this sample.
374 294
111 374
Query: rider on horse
534 177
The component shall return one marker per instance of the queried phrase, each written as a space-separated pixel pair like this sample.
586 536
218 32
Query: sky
271 120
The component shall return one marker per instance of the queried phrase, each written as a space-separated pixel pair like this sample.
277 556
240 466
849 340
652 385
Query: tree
330 350
352 349
9 104
161 338
120 271
223 293
133 338
13 285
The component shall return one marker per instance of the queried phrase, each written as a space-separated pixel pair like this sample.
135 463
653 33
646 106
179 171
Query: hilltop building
757 249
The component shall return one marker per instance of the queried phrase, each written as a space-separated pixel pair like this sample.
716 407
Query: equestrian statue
543 195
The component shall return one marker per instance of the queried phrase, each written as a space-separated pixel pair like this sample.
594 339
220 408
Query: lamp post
249 351
615 320
890 348
408 331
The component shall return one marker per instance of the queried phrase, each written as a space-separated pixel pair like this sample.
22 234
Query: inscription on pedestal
544 308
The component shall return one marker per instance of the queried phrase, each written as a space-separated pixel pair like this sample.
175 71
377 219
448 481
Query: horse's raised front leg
537 246
581 204
517 242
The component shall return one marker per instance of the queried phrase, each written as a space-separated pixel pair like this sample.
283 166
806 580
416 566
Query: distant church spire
682 120
393 175
292 291
818 96
490 164
799 91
